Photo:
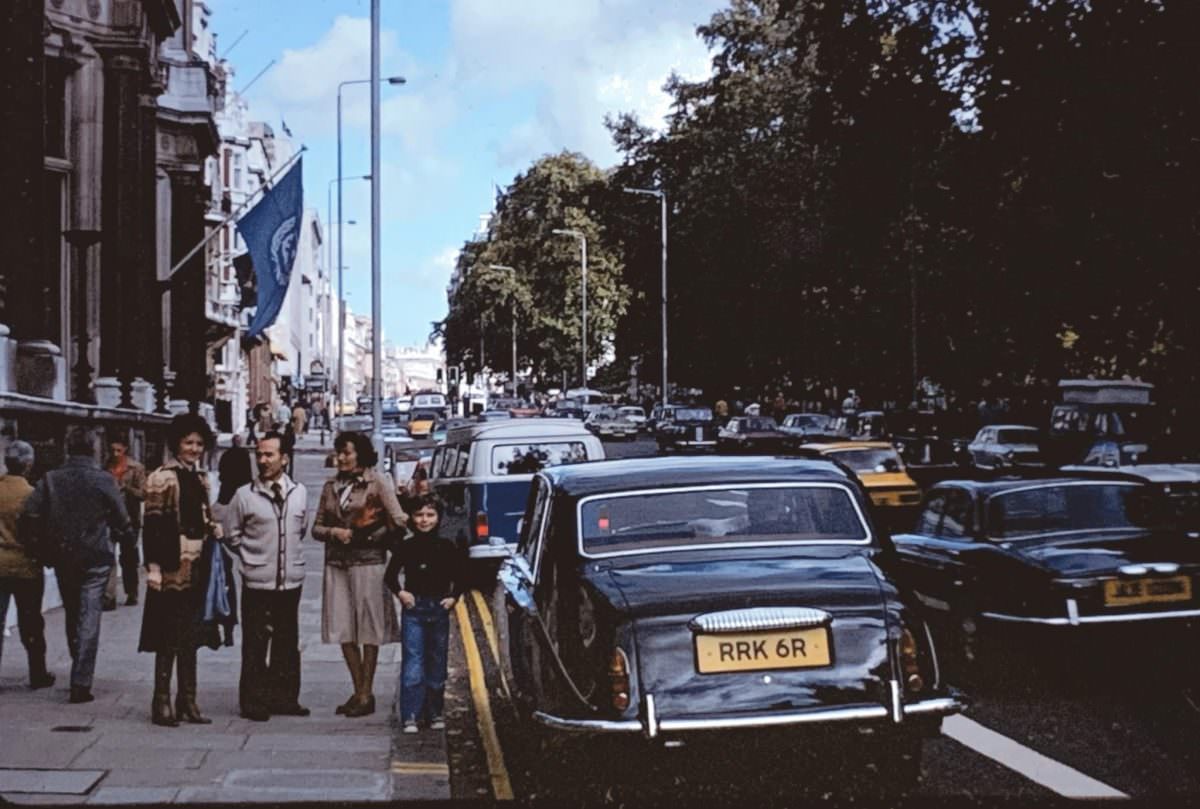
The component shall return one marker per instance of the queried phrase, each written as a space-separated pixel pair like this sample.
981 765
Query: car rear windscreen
527 458
1073 507
666 520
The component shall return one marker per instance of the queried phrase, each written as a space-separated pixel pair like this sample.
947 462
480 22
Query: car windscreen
759 424
869 459
1017 437
689 518
693 414
808 421
527 458
1040 510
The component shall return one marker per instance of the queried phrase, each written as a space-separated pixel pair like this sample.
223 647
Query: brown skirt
356 607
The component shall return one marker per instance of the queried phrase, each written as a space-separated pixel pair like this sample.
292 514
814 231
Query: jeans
30 624
425 636
82 593
270 618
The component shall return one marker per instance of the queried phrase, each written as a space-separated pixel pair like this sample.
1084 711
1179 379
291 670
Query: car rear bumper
1073 618
651 725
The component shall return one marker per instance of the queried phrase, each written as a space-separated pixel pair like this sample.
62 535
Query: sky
492 85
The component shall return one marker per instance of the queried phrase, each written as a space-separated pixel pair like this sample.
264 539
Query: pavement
107 751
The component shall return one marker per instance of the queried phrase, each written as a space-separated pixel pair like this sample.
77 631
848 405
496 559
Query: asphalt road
1049 716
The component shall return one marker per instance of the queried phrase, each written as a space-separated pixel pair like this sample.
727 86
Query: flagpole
212 233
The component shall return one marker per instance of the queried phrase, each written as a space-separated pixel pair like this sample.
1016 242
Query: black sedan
753 434
1064 552
663 599
686 428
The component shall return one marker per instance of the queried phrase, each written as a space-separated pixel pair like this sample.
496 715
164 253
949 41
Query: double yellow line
501 786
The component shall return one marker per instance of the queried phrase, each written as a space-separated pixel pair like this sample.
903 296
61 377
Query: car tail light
618 677
481 525
908 661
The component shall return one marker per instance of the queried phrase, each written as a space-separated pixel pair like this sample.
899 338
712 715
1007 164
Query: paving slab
133 795
53 782
170 739
345 743
139 758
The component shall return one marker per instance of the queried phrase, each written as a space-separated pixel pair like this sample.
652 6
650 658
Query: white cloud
585 59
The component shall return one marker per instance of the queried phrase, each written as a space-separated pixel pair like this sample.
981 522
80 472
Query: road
1047 718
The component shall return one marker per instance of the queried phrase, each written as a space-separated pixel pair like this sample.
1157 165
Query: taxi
879 467
421 426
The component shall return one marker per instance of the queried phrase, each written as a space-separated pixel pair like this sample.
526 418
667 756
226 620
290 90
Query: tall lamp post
662 198
583 263
393 80
506 268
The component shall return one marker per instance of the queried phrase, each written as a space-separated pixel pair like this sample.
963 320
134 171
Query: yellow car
879 467
421 427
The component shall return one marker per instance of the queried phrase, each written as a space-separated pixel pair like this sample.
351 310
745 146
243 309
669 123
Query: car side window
462 461
435 463
531 526
448 457
957 520
929 523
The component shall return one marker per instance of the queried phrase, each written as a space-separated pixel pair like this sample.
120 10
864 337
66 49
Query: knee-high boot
160 708
185 700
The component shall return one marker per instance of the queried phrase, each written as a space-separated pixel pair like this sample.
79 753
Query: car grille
760 618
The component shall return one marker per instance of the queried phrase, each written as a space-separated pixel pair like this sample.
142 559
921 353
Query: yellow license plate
752 651
1125 593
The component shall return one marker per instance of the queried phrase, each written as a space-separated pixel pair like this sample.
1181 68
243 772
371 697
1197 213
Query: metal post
663 199
376 233
514 343
341 383
583 336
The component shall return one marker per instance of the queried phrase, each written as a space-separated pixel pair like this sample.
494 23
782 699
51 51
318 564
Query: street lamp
329 213
662 198
505 268
392 80
583 264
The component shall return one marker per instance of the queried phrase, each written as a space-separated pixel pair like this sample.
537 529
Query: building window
55 122
237 171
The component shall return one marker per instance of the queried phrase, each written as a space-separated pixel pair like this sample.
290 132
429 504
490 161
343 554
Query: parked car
751 434
659 599
1063 552
482 471
800 425
1006 445
634 414
494 415
659 413
608 424
1178 478
686 428
882 472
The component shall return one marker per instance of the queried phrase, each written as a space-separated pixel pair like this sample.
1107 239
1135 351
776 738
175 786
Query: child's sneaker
437 723
410 726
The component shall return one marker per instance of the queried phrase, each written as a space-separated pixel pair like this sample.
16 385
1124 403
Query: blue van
482 473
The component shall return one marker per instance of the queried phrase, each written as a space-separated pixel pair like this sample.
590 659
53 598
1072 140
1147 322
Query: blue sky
492 85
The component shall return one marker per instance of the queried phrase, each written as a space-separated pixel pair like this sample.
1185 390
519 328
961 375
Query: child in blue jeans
434 578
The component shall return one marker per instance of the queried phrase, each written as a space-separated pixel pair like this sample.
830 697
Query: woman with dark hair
434 579
233 472
356 518
179 536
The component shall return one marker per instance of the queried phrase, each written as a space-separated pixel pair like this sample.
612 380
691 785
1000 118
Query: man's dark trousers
82 593
30 624
270 620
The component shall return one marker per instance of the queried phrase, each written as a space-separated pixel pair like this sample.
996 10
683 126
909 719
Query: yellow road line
501 786
419 768
489 631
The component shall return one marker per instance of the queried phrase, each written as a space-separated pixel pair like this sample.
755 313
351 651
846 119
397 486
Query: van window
527 458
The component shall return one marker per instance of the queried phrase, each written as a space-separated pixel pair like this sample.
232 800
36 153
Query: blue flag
271 231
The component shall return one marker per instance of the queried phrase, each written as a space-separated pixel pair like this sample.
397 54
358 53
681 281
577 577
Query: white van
482 473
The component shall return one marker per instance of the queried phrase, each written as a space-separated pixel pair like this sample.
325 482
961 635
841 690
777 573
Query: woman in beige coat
356 519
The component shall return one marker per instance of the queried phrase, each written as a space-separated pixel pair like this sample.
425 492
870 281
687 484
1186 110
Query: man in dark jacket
79 512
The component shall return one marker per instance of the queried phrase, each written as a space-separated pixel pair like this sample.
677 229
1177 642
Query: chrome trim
756 618
897 703
937 672
1092 619
1073 612
941 706
651 717
1145 568
867 539
491 551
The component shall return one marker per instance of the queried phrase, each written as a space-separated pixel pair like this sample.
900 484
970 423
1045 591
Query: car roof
835 446
599 477
1010 427
988 487
516 428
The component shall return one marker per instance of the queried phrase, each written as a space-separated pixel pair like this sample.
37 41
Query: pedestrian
283 413
234 471
76 512
299 419
288 438
131 480
21 577
267 521
434 579
357 514
180 536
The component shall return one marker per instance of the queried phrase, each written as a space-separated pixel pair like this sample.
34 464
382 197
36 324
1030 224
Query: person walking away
180 535
357 514
234 471
434 579
267 521
131 480
77 512
21 577
299 419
